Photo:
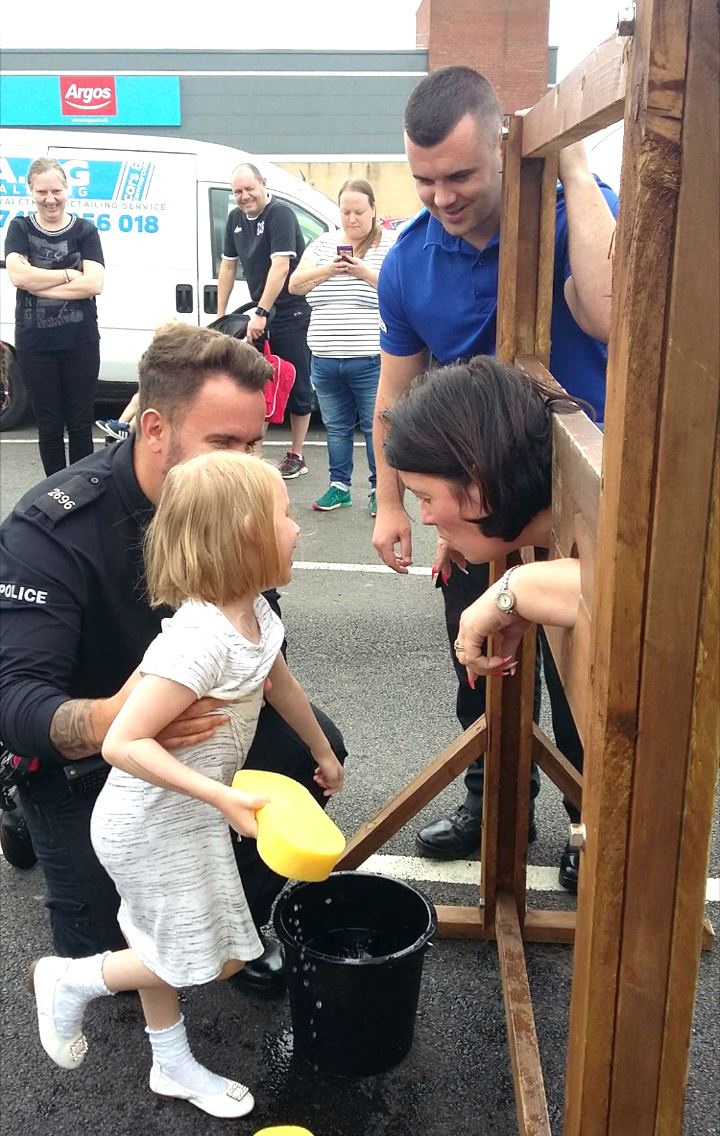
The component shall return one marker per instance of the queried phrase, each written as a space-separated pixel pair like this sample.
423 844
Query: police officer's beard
175 453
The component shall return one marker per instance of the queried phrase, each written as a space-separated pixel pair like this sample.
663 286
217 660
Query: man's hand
256 327
392 526
196 724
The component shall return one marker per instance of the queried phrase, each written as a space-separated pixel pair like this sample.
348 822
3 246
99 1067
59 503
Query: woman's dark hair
481 423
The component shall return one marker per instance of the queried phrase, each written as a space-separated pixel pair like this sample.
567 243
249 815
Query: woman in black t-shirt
56 263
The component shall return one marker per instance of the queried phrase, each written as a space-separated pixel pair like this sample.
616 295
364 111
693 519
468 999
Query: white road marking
330 566
468 872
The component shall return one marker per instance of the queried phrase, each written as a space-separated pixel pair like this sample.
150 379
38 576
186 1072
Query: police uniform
76 623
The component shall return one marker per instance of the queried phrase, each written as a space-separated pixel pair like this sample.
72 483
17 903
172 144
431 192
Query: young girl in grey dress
222 533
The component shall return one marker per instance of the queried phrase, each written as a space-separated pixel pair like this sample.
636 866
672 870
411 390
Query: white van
160 205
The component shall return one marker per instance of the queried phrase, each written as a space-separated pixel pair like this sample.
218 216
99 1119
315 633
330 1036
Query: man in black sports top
264 235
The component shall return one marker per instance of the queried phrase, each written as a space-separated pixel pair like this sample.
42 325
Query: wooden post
645 785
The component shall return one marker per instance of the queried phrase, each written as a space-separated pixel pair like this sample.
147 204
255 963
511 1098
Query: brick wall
505 39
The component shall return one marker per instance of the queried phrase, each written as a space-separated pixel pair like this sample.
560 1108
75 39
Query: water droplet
294 970
328 901
316 1068
313 968
312 1021
318 1004
295 907
306 982
313 1035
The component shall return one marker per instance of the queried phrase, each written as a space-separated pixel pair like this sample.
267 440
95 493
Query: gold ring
457 646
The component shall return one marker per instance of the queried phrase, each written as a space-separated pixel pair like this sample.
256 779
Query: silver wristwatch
504 598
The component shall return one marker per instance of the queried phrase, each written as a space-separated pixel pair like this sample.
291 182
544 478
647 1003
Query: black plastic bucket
354 946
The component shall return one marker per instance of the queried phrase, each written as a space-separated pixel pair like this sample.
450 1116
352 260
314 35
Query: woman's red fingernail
433 574
444 578
471 681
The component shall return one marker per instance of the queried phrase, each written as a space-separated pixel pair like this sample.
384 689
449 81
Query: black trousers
288 340
80 895
62 385
460 591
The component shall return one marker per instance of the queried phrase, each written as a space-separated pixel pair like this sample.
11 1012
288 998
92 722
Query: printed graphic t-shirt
44 324
255 241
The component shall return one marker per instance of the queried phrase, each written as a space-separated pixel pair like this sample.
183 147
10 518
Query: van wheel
14 398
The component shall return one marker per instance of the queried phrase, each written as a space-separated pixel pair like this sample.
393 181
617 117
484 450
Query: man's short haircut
442 98
182 357
247 166
481 423
213 535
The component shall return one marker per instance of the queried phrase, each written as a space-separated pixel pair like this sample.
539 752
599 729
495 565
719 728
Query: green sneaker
334 498
373 503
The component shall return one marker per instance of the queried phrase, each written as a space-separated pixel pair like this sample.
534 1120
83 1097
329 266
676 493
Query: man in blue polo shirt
438 297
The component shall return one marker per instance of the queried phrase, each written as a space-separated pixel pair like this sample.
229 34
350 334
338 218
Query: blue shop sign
95 101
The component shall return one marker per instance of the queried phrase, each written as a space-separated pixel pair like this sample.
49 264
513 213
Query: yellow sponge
284 1129
295 837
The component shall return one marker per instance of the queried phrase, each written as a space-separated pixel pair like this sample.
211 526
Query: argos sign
93 94
90 100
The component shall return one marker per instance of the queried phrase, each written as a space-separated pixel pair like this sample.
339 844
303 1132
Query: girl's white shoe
237 1100
44 975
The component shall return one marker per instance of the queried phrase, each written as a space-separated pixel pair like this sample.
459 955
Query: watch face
505 601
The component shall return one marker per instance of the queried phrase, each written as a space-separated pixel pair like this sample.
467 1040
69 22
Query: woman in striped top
344 334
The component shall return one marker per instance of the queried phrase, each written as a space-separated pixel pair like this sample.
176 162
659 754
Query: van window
221 202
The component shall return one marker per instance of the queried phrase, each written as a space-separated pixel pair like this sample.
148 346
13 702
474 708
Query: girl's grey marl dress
183 909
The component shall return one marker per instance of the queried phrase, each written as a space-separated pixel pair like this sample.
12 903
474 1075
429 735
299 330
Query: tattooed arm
80 725
131 745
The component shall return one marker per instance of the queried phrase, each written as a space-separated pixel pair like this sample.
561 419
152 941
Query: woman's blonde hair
213 536
44 166
359 185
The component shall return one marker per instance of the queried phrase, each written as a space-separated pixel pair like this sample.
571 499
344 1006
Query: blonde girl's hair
44 166
372 240
213 536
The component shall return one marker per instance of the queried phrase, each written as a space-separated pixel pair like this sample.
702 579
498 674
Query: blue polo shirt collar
435 234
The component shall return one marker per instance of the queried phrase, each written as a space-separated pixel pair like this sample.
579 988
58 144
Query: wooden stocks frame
639 507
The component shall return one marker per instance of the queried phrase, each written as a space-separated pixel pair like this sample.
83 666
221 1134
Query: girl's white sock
171 1051
81 982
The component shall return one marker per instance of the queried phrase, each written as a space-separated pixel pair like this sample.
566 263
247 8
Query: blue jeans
346 390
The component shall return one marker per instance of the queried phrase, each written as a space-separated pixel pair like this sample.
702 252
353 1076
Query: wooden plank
530 1099
546 259
591 97
541 926
416 794
607 1095
682 490
577 460
557 767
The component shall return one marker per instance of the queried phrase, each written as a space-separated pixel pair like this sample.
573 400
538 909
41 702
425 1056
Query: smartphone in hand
344 251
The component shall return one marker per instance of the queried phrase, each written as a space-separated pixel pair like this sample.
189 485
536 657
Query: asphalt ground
370 648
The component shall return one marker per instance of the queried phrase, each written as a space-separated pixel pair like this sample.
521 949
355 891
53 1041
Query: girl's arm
82 286
130 745
308 274
291 703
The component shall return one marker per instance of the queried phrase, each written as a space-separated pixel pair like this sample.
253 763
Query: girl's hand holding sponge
295 837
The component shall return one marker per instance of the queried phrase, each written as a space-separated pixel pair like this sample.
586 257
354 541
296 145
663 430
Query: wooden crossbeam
541 926
588 99
557 767
530 1099
416 794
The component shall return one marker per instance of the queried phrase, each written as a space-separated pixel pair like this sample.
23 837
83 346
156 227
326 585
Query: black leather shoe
452 838
458 836
264 975
569 869
14 837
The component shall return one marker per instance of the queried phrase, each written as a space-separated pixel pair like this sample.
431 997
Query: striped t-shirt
345 322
